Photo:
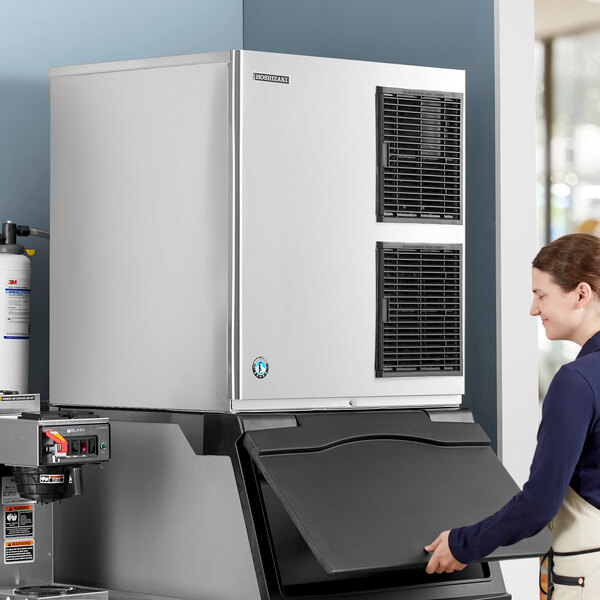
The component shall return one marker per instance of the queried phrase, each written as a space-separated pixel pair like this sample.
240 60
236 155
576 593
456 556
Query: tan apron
575 554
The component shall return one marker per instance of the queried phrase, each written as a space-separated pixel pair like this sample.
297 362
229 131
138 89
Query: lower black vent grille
419 310
419 155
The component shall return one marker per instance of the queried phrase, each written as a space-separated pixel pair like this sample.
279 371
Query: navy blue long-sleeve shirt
567 453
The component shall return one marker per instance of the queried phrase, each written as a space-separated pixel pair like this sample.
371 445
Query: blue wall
37 34
438 33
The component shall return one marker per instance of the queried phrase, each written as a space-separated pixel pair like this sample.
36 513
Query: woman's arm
568 410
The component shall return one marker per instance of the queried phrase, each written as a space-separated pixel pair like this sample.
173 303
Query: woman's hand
442 560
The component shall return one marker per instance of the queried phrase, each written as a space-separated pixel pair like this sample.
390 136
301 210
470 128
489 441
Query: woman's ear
584 294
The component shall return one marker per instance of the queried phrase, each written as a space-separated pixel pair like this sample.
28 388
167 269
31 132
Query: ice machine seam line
236 221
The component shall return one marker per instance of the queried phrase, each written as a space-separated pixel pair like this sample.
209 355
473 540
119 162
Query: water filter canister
15 300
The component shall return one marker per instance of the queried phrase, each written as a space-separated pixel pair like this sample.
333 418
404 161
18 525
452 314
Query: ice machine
257 272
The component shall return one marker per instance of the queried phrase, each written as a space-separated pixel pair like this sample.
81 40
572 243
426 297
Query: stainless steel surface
139 195
138 64
20 439
271 188
308 230
19 442
32 523
69 592
292 404
74 421
157 520
13 404
40 571
120 595
235 157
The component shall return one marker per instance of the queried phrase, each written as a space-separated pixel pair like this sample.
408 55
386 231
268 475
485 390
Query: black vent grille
419 155
419 310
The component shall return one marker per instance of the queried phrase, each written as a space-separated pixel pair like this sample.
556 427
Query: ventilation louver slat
419 310
419 155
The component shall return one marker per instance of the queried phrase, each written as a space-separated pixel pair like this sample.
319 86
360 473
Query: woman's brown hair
570 260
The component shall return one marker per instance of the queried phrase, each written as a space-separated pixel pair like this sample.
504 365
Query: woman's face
558 309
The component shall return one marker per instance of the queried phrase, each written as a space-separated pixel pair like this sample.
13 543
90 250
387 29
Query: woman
563 490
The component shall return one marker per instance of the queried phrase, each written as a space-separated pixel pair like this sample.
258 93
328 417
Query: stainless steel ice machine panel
308 231
139 213
219 211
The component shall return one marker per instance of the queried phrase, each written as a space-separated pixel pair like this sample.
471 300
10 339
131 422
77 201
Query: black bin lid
368 490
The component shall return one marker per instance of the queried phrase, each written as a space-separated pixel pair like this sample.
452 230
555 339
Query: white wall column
516 247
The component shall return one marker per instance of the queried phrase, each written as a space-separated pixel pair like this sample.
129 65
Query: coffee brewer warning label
19 551
18 521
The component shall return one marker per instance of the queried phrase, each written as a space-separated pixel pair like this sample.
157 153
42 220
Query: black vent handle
384 310
385 149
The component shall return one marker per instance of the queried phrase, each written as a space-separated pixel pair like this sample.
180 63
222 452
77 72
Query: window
568 168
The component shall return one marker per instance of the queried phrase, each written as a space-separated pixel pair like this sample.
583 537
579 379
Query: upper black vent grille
419 155
419 310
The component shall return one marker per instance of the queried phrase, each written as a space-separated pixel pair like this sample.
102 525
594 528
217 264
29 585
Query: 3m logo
12 282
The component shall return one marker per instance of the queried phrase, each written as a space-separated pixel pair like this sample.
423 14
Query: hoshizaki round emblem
260 367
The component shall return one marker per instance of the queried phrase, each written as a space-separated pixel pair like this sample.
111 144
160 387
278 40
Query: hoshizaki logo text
271 78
